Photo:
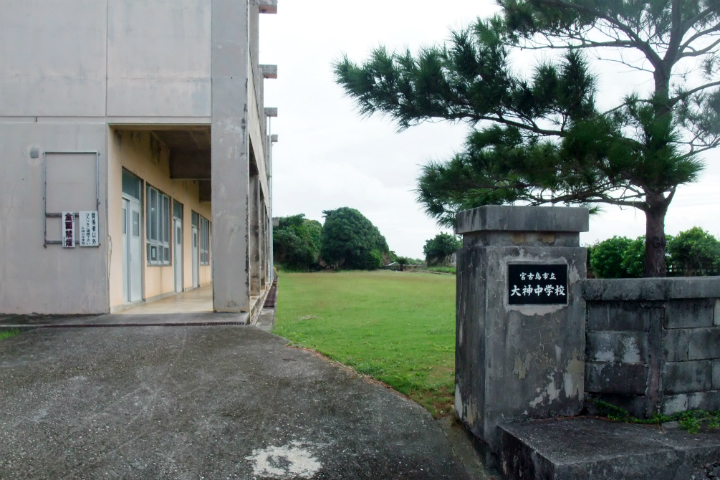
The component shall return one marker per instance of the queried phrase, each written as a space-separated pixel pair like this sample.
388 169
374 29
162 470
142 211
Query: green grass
8 333
396 327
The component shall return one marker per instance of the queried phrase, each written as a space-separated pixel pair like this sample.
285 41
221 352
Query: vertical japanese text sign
89 229
68 229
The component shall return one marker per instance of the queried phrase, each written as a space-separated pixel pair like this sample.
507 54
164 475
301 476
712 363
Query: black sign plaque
537 284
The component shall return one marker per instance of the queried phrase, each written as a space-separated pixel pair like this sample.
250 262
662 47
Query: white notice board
89 229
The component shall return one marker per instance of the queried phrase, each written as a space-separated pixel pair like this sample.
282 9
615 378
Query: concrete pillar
263 244
255 236
230 160
520 349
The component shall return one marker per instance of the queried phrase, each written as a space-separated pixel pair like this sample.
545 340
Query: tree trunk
655 235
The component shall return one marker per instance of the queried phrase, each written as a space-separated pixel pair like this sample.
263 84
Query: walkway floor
193 307
194 301
230 402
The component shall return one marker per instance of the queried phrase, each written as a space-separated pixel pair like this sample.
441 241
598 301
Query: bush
350 241
633 258
617 257
694 251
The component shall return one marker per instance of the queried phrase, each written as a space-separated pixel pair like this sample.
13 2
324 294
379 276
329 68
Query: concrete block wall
653 345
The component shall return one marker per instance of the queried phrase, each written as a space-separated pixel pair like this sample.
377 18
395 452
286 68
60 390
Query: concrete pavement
214 402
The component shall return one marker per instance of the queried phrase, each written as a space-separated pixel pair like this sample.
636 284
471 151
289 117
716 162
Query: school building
134 154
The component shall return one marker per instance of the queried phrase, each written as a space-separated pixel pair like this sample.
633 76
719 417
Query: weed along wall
653 345
520 344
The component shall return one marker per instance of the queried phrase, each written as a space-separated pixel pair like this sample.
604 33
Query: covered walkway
198 300
194 307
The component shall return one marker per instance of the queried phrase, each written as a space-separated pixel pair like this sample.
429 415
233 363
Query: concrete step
593 448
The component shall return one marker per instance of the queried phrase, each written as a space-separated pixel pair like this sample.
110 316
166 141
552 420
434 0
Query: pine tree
541 139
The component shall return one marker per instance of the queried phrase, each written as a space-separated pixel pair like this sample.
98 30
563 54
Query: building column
230 158
263 244
255 237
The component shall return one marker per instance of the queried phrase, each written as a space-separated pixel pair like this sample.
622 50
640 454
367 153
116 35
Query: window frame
157 229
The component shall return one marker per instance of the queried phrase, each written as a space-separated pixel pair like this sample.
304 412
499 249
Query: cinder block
687 377
616 316
704 400
676 345
615 378
704 343
674 403
637 405
691 401
716 322
690 313
621 347
716 375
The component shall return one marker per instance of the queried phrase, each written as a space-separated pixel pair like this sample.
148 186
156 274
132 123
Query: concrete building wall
120 58
142 154
34 277
256 139
158 58
52 57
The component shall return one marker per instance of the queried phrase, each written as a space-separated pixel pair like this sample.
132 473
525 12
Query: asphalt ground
202 402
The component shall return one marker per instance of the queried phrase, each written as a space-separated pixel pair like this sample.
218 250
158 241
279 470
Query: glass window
131 185
204 241
177 209
166 218
135 224
158 227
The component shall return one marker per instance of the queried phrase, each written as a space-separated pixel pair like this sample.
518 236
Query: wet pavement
192 402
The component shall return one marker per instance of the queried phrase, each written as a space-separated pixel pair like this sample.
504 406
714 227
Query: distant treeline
347 241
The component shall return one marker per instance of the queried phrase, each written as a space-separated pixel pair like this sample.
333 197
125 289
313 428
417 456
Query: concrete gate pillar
229 156
520 348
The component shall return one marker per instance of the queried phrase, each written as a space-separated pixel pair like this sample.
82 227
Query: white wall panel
52 57
52 279
159 58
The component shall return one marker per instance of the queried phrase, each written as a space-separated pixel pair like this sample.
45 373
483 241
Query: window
204 241
158 227
177 209
131 185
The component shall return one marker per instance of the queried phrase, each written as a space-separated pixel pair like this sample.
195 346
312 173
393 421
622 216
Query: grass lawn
396 327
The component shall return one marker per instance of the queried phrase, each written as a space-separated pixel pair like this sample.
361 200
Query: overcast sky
329 157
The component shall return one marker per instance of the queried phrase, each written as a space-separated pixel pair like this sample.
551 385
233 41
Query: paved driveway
213 402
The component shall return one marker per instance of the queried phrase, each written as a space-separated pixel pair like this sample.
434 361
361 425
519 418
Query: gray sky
330 157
